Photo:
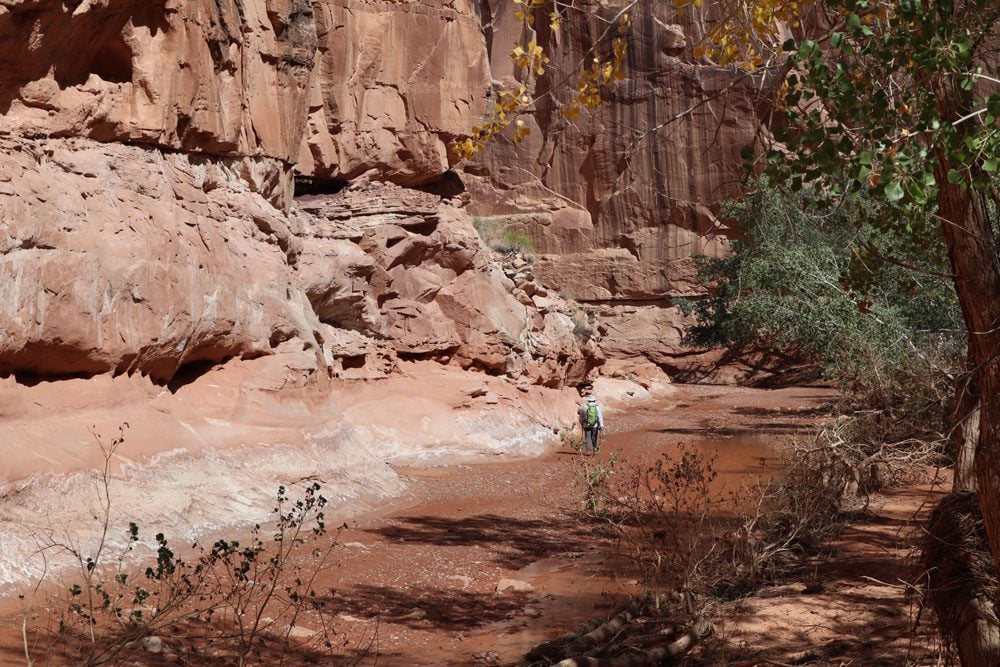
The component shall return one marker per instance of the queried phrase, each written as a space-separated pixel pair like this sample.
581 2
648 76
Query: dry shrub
662 513
234 602
238 599
691 540
857 458
961 580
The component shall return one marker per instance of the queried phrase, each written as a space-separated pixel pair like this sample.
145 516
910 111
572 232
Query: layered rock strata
119 259
125 260
618 202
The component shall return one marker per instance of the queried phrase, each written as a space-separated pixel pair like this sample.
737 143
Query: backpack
590 417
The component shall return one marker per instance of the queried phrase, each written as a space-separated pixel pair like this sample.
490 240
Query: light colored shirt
583 415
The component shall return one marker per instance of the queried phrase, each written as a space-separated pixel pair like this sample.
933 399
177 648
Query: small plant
229 596
596 476
513 241
501 238
583 327
572 439
663 510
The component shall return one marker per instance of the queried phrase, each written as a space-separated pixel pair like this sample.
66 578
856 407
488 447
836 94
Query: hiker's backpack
590 417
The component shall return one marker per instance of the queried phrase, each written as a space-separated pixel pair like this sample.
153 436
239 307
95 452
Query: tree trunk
965 437
972 249
966 228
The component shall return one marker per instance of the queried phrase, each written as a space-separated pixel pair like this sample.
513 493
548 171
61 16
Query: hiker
592 421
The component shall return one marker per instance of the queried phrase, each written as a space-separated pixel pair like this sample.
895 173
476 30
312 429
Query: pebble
153 644
356 545
515 585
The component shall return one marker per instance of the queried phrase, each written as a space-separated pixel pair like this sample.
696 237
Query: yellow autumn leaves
749 29
531 59
528 14
600 74
508 104
746 34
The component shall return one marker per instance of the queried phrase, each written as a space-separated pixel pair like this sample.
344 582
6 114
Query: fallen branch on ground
595 643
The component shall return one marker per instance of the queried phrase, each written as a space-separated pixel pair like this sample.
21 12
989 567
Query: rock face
126 260
395 83
411 270
227 78
618 201
177 252
122 259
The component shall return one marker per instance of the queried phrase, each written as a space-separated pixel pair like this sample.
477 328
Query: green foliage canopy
887 96
830 285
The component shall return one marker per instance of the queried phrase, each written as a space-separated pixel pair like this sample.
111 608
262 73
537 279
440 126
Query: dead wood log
601 633
555 649
583 638
658 655
961 579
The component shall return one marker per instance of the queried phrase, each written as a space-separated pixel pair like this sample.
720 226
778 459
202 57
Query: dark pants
590 440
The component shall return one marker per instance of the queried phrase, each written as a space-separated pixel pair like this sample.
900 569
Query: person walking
592 421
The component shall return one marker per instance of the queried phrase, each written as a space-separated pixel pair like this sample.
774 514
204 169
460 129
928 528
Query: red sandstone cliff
618 202
158 269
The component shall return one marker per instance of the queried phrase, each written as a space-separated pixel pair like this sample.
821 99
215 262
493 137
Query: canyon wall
619 202
237 226
395 84
161 279
146 194
153 149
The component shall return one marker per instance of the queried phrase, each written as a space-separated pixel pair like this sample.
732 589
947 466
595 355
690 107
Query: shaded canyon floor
415 582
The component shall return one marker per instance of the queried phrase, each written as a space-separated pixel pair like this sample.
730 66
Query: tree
872 310
896 98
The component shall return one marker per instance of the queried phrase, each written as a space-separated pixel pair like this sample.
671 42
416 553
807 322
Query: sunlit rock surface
160 271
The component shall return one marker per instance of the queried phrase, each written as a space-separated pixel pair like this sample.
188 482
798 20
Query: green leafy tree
826 285
898 98
895 99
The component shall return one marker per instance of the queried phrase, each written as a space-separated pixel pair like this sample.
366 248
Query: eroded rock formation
179 249
227 78
619 202
159 270
395 83
127 260
413 272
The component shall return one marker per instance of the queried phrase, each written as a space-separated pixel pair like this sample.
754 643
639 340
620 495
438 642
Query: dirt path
854 605
415 583
428 570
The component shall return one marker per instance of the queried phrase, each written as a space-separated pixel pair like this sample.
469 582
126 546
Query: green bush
860 299
502 238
